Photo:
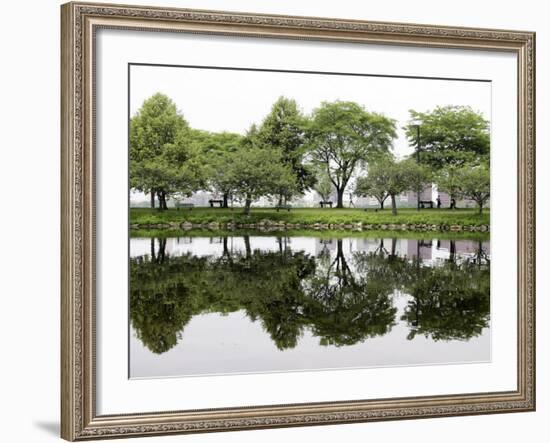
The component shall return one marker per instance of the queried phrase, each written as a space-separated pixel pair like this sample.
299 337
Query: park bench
184 205
215 202
287 207
323 204
423 203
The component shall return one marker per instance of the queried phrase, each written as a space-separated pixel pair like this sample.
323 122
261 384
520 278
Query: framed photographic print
282 221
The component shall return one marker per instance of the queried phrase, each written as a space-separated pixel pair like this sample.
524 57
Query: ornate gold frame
79 21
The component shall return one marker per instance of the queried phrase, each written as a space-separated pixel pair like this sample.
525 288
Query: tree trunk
480 208
479 252
225 198
340 201
381 247
225 248
159 198
247 247
161 195
280 202
382 204
341 265
152 199
393 205
452 251
162 250
247 205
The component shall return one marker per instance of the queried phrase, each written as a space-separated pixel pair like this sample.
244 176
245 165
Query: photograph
271 219
285 220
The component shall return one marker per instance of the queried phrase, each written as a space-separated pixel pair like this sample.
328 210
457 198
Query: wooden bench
423 203
323 204
215 202
287 207
184 205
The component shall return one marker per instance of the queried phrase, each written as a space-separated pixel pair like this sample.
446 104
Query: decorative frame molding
79 21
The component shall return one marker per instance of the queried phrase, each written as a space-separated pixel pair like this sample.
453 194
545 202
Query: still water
263 303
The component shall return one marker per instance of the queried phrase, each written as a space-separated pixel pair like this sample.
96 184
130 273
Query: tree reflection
348 306
341 298
449 302
166 294
161 299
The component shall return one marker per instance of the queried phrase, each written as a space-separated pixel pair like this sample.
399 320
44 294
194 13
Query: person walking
351 204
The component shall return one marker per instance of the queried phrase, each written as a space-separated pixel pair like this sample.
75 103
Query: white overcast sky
224 100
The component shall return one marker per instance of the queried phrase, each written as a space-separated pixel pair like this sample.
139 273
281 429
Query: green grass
310 216
325 234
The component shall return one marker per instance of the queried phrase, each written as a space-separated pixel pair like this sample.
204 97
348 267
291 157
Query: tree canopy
388 177
449 135
257 172
448 180
475 183
343 135
374 184
163 161
282 155
217 149
284 128
323 186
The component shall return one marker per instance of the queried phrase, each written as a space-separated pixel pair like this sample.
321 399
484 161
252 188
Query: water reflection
341 291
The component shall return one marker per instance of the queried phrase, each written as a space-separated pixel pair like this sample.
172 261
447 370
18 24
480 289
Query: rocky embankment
270 225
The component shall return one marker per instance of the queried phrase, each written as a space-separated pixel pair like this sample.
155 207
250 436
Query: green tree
388 178
323 187
284 128
448 180
343 135
155 125
418 176
250 139
398 181
374 184
449 135
217 149
475 184
178 170
186 171
257 172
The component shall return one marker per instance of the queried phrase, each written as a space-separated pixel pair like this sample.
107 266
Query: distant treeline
290 152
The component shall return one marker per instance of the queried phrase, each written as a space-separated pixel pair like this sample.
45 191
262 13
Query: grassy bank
310 216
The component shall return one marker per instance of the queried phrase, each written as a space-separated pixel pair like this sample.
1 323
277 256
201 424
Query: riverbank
461 220
322 234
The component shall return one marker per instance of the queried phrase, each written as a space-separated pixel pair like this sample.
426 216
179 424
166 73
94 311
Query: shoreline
270 225
427 220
